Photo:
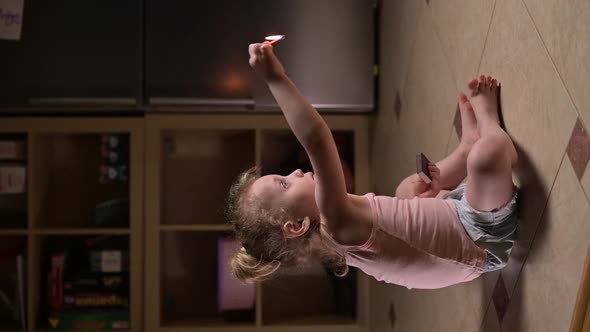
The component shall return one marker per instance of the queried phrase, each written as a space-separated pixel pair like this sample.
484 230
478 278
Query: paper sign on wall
11 19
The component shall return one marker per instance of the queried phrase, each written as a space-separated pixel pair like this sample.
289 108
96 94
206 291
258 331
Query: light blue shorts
494 231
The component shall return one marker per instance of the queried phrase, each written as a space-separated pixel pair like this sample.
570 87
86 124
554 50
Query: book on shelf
21 290
73 289
90 282
17 302
12 150
92 301
96 320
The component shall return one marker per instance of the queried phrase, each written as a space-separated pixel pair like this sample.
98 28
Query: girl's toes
494 84
489 82
482 82
472 84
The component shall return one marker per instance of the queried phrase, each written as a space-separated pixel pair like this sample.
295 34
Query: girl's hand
264 61
422 189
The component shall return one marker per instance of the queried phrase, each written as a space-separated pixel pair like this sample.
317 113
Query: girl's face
294 193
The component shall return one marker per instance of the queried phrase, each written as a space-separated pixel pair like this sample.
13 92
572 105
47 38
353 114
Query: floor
540 51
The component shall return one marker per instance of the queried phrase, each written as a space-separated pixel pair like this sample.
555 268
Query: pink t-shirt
416 243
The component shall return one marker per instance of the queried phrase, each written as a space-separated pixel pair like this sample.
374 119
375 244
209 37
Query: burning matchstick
274 38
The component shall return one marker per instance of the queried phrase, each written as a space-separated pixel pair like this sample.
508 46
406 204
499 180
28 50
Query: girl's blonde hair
265 247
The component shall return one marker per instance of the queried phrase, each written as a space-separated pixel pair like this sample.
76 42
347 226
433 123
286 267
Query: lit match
274 38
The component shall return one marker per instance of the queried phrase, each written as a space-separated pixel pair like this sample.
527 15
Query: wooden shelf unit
191 160
181 167
62 191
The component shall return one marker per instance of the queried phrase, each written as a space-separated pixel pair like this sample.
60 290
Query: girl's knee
491 153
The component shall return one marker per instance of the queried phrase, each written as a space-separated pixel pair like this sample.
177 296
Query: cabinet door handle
83 101
203 102
351 108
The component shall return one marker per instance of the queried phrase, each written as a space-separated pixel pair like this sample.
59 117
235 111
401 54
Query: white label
111 261
12 180
11 19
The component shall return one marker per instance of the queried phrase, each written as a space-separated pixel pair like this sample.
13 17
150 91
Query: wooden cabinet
74 53
166 214
67 205
155 54
191 162
196 52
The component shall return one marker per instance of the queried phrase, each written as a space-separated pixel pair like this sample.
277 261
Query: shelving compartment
83 283
197 288
198 168
282 154
13 180
309 294
13 283
81 180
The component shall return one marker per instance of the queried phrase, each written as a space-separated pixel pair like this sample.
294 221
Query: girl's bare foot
484 98
469 129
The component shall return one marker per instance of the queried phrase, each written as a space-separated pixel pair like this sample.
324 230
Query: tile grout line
580 118
485 43
552 62
537 227
454 79
412 50
584 190
445 55
486 314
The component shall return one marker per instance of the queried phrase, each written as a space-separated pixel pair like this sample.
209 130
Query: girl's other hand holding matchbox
264 61
423 189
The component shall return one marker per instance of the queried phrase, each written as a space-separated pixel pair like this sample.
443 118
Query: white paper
11 19
111 261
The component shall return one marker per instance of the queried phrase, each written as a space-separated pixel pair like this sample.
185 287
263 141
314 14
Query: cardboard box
12 179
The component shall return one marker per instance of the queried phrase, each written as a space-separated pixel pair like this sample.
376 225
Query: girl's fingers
254 49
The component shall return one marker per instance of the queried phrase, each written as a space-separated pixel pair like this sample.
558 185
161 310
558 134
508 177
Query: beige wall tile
399 22
491 323
537 111
462 27
546 291
429 102
586 181
381 302
461 307
565 30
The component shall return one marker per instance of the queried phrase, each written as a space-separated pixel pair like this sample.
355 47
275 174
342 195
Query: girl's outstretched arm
309 128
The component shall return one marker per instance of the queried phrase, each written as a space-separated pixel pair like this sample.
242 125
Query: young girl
425 237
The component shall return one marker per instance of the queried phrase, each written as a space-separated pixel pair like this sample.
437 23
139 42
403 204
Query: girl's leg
490 161
453 168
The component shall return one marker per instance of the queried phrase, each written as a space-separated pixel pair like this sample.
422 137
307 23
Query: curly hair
265 248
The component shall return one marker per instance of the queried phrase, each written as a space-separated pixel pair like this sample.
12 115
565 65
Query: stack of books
88 295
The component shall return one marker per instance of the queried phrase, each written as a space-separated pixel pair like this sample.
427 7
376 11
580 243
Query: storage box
12 179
